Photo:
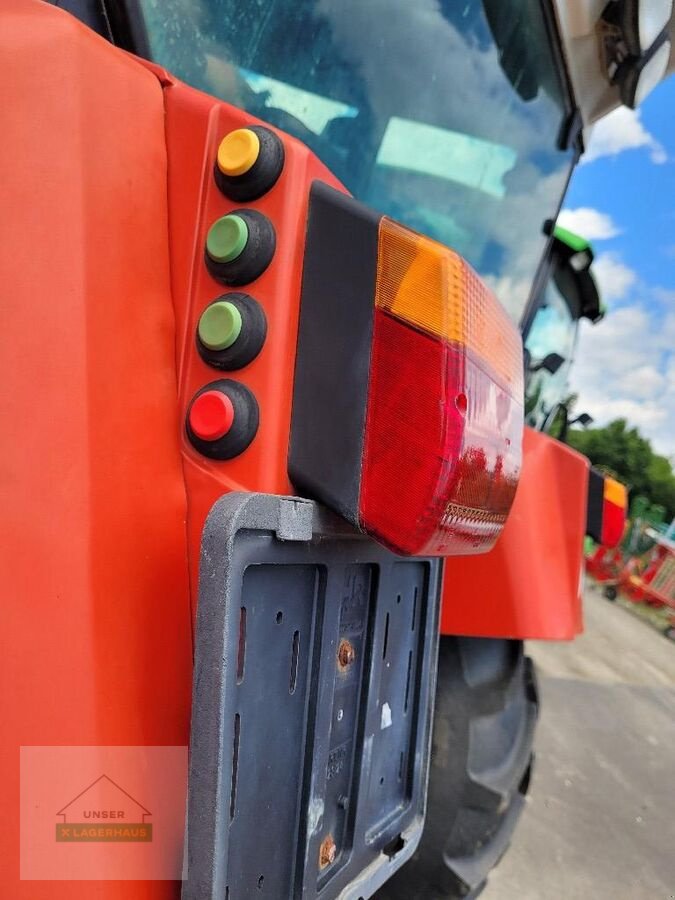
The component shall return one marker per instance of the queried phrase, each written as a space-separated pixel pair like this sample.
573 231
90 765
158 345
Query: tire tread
486 711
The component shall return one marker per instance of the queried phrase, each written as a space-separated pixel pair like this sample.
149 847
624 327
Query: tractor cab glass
569 294
553 331
448 117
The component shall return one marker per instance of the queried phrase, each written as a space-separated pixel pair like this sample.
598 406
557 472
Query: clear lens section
652 73
653 16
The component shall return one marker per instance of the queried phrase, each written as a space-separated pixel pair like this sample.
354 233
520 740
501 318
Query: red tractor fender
528 585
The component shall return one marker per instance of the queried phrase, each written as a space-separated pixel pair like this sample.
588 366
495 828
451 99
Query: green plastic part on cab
573 241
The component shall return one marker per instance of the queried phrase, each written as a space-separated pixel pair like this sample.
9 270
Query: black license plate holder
315 663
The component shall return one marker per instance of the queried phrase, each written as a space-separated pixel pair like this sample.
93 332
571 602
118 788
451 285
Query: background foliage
623 453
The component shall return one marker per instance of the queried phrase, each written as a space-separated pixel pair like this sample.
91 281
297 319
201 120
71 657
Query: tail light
607 504
408 405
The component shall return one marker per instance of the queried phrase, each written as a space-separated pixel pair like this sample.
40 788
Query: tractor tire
481 760
610 592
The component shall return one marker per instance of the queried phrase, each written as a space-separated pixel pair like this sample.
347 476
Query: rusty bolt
327 852
346 654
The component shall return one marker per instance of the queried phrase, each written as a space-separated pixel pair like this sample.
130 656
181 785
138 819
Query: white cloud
644 382
625 368
664 295
614 277
589 223
622 130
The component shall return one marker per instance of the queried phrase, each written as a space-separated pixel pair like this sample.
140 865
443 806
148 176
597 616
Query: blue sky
622 198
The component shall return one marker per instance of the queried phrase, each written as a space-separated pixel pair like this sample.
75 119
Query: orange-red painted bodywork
528 585
107 194
195 125
95 636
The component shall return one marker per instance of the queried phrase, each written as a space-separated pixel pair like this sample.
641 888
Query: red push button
211 415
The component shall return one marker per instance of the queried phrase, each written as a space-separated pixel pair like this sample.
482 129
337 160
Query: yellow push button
238 152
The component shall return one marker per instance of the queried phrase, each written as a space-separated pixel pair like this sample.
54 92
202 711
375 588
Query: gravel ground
600 822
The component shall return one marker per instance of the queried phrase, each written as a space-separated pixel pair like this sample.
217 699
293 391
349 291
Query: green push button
219 325
227 238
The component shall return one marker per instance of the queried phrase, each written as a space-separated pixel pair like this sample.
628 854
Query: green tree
662 479
623 452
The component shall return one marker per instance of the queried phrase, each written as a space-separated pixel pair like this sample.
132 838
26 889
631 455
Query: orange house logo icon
104 813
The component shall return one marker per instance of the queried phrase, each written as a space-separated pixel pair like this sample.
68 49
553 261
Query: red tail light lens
443 429
606 512
436 407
